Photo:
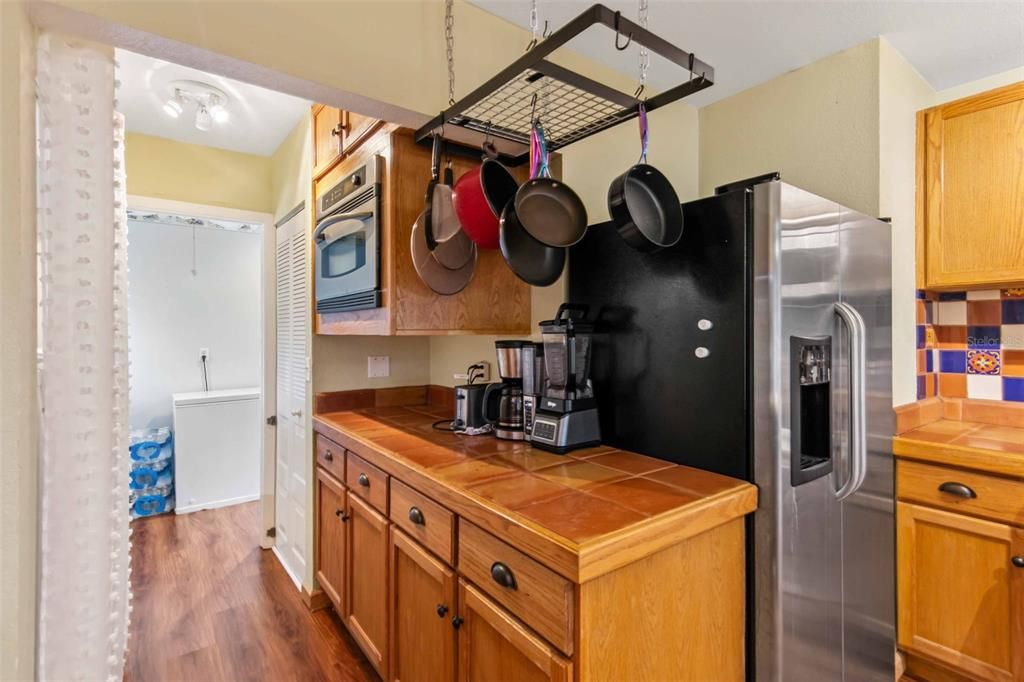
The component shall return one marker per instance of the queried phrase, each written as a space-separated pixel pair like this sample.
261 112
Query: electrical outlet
204 353
378 366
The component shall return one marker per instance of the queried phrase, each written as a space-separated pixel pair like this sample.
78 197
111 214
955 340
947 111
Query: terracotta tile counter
582 514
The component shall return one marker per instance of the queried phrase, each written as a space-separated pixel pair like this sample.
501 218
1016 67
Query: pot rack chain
449 43
645 54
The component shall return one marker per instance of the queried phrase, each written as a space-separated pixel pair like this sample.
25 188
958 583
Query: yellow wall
167 169
18 400
291 170
817 125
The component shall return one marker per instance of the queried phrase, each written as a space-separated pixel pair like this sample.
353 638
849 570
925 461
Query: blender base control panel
544 430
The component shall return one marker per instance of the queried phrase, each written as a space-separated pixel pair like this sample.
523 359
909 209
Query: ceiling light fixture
210 103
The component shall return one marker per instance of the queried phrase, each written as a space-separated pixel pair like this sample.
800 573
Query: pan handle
581 310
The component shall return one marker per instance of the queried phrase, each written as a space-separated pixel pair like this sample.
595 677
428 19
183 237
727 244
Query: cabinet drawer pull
329 456
416 516
364 481
1018 561
958 489
502 575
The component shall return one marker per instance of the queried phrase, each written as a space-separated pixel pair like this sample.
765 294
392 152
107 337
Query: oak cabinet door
495 647
367 615
331 538
961 596
973 190
422 608
358 129
328 137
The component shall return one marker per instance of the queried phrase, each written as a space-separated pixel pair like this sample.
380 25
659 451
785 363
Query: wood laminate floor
210 605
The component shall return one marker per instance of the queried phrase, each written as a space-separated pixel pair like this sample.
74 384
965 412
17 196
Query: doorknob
296 413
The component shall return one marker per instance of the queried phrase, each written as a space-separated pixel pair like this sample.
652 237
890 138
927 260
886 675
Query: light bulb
220 114
172 107
203 118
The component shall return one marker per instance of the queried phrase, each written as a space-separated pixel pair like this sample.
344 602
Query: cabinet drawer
424 520
331 457
367 481
967 492
536 594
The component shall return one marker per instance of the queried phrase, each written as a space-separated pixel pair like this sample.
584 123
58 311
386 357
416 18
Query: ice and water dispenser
810 362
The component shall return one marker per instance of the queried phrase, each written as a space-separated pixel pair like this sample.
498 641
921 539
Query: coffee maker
503 401
566 414
533 383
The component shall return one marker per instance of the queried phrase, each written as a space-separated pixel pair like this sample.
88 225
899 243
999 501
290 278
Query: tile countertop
973 445
584 514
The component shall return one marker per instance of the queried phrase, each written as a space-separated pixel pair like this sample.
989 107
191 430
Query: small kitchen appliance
503 401
469 404
566 414
533 383
346 242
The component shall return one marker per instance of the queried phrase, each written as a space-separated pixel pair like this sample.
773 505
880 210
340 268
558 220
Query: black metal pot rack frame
574 106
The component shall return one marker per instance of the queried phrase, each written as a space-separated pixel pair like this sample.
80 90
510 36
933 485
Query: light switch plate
378 366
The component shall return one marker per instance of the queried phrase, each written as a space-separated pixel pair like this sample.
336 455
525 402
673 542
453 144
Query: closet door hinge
272 532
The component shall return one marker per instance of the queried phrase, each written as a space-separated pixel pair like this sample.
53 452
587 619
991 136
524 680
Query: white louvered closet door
292 485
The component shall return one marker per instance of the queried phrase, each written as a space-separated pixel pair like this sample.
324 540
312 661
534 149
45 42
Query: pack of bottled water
151 486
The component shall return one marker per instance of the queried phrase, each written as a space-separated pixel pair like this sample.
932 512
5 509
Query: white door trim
268 384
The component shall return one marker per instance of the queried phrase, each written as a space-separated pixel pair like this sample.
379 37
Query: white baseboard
188 509
284 565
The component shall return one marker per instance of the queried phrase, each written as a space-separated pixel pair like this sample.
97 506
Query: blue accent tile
920 386
983 337
929 361
953 296
1013 389
1013 311
920 336
953 361
920 294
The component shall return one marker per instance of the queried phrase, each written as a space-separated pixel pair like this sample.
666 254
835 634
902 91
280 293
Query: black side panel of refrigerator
656 394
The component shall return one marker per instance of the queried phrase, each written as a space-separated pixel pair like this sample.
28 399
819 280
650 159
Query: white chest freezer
217 454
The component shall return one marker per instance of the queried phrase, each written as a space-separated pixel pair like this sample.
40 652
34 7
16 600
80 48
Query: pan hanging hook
535 34
533 108
629 38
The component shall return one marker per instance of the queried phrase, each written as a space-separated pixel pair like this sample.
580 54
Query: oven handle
318 235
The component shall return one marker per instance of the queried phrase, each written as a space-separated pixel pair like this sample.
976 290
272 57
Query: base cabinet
422 609
495 647
367 612
961 593
332 538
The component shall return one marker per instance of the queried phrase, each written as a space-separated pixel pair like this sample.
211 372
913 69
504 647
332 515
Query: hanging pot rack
575 107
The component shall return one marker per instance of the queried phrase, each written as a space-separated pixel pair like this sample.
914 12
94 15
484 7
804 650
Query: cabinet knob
336 130
502 575
457 622
441 610
416 516
1018 561
329 456
958 489
364 481
341 515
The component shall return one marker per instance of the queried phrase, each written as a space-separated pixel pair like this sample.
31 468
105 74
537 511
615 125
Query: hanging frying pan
548 209
479 195
436 276
643 204
532 261
440 218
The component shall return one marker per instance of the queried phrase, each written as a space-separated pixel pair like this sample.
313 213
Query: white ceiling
259 119
752 41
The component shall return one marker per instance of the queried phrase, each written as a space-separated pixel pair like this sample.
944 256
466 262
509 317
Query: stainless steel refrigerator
760 347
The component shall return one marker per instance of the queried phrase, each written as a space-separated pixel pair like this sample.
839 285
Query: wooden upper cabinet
961 597
422 608
367 612
328 137
331 538
971 191
358 129
495 647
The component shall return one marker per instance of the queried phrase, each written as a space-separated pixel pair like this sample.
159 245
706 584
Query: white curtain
84 561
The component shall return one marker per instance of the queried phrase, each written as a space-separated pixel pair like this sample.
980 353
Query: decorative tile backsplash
970 344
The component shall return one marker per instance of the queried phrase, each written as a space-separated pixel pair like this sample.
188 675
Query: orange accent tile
930 385
1013 363
580 474
907 417
919 308
953 385
578 516
984 312
630 462
930 336
644 495
951 337
519 491
922 361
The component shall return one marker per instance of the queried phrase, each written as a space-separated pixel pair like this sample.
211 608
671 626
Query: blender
503 401
566 414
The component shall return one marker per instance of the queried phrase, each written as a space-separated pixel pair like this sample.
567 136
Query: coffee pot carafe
503 401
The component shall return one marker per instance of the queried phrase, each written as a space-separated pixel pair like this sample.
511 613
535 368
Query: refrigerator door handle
856 331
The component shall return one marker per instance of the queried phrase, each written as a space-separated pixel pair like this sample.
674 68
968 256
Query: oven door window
344 249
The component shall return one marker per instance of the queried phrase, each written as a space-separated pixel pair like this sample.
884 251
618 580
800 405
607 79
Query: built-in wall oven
346 242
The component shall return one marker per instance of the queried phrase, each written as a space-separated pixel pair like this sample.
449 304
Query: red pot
478 197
